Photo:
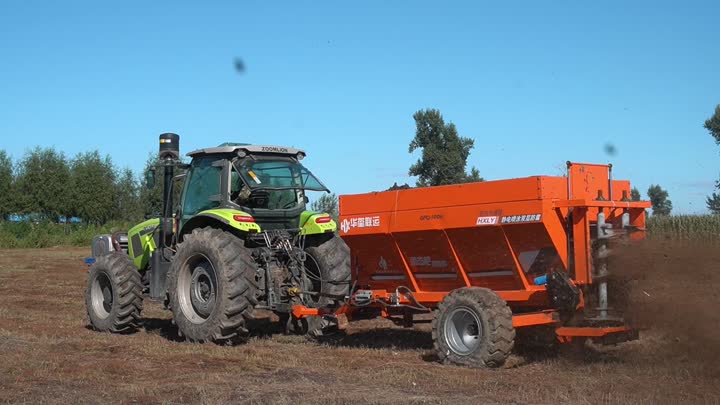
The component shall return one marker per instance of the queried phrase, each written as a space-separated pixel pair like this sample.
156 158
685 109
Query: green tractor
240 242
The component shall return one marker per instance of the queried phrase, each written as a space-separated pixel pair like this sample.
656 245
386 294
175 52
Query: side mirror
150 178
306 199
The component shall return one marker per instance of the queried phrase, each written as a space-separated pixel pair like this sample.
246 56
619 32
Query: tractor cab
266 182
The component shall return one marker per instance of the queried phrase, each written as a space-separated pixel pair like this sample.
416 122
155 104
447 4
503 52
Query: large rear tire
113 295
212 286
473 327
328 269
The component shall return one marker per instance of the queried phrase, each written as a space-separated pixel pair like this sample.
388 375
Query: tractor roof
228 148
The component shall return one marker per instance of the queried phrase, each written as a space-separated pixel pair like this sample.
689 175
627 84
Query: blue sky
534 83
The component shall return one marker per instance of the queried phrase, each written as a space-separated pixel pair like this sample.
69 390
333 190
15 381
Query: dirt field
47 354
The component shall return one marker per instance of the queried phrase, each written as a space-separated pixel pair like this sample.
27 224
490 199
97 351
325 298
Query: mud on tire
212 286
473 327
113 295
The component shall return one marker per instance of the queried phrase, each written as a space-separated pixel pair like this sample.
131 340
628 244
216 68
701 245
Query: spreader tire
212 286
113 295
473 327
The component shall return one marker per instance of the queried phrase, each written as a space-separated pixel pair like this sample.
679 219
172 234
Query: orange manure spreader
491 259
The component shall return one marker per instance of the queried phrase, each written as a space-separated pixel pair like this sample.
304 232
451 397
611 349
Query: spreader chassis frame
574 212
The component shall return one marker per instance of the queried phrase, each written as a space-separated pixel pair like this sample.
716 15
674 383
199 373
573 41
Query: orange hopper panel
500 235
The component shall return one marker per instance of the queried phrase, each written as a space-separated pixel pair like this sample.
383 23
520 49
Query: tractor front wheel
473 327
113 296
212 285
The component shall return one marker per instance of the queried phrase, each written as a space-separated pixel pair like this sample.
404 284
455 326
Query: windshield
273 184
279 175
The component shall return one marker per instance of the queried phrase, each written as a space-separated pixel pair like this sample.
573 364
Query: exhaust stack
169 155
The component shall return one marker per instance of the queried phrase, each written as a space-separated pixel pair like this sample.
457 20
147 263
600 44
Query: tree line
45 185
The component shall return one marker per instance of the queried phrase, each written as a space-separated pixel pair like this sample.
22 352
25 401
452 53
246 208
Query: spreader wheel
473 327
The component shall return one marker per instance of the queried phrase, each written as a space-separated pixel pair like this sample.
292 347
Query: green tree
6 184
635 194
474 176
396 186
93 187
44 184
712 124
328 203
151 197
127 205
659 199
444 152
713 203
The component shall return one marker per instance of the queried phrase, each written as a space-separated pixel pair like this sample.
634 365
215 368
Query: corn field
688 227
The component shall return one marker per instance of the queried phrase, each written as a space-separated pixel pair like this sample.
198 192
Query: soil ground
48 354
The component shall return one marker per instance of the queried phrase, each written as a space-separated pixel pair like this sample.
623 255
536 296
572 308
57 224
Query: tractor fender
314 223
222 218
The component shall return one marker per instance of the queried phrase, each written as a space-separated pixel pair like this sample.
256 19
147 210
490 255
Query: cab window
202 187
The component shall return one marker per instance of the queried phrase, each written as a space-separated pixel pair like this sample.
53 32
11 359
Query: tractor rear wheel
212 285
328 271
113 296
473 327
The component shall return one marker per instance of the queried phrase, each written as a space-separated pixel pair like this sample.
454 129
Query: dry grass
47 355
